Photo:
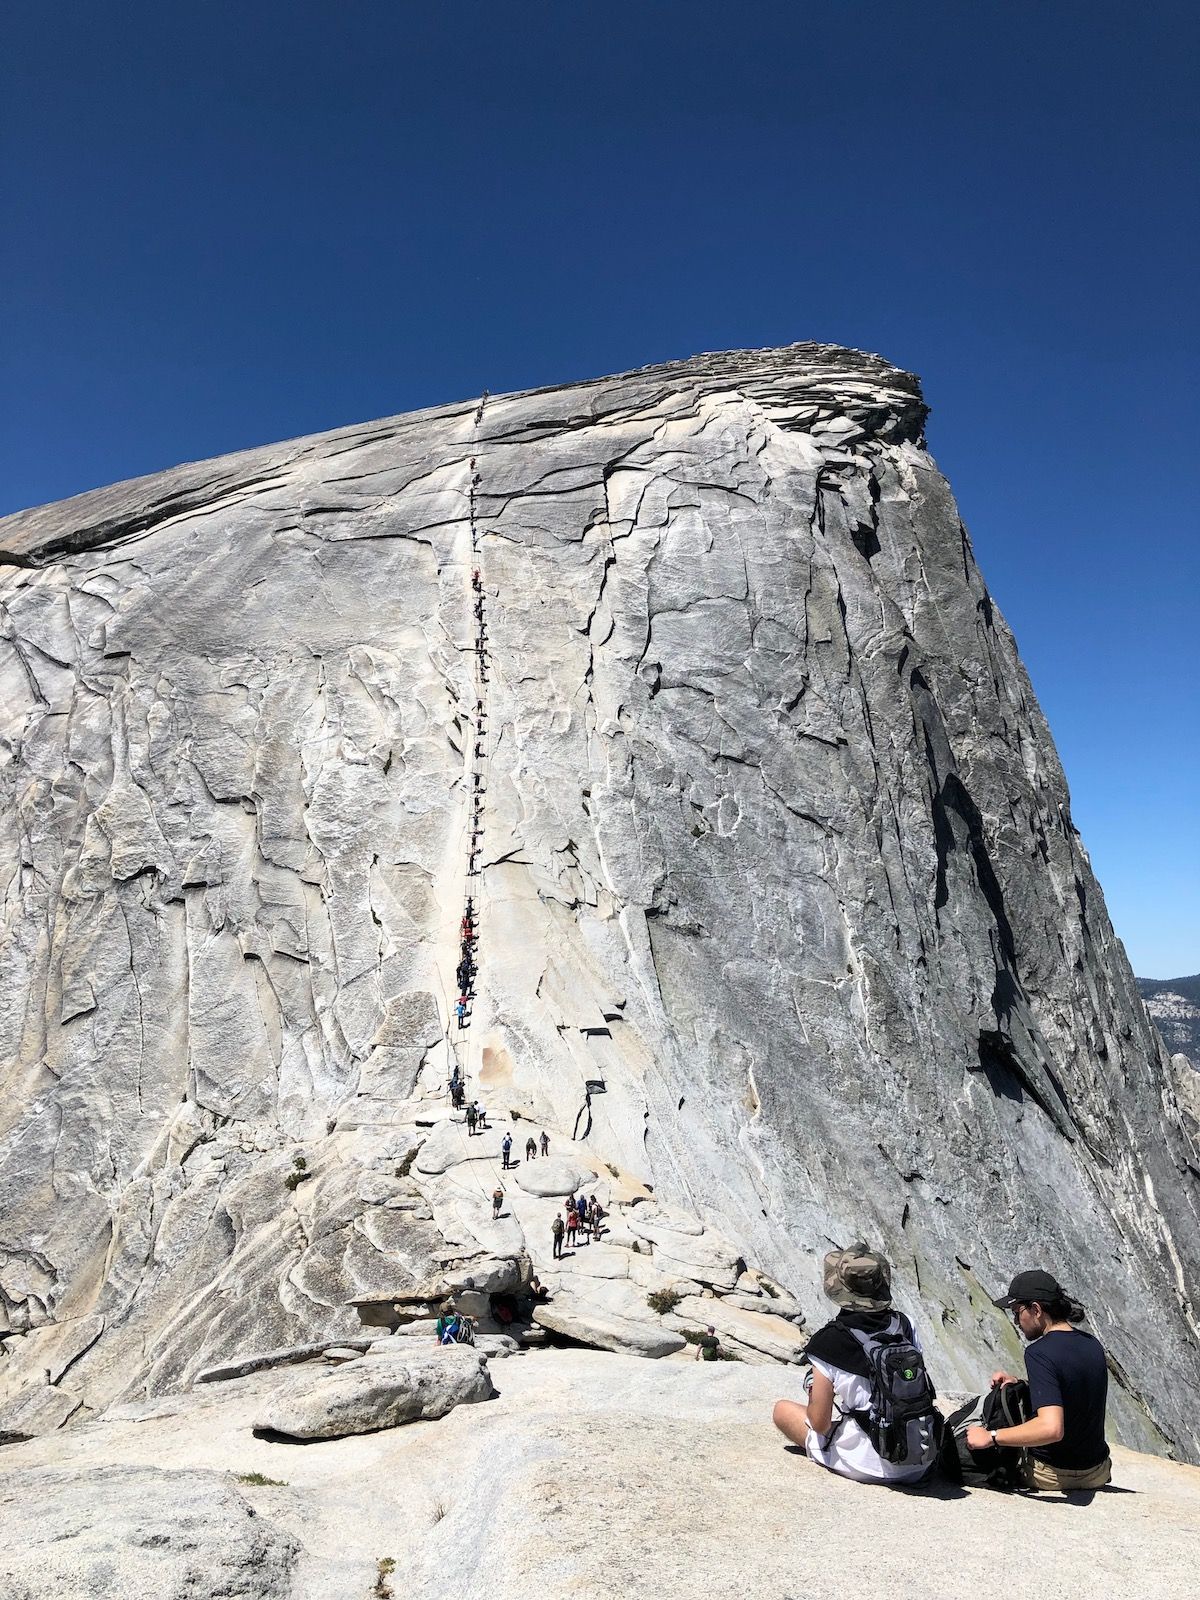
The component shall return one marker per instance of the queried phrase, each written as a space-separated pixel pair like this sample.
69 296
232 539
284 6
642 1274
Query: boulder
686 1245
605 1330
38 1408
554 1177
391 1385
769 1335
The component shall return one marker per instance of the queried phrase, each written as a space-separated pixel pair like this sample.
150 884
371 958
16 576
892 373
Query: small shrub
440 1509
300 1164
383 1588
405 1167
295 1179
637 1249
769 1288
614 1170
663 1300
258 1481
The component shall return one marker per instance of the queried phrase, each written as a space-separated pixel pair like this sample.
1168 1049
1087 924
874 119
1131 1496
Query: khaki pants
1039 1475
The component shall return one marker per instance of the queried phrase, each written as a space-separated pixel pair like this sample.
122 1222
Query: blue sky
226 224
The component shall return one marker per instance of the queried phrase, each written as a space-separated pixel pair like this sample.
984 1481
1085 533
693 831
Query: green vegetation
298 1174
258 1481
663 1300
383 1589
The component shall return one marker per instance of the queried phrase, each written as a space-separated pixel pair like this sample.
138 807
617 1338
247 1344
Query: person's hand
998 1378
978 1438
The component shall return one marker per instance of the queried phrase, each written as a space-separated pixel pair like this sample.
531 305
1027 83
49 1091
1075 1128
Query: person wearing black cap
1068 1390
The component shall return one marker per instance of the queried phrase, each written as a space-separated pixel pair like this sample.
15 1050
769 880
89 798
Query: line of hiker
468 961
869 1412
583 1222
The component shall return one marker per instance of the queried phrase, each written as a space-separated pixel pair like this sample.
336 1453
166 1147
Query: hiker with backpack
708 1346
870 1414
497 1202
530 1149
1058 1426
506 1150
557 1228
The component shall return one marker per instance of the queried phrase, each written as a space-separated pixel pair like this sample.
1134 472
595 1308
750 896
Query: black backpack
999 1466
901 1421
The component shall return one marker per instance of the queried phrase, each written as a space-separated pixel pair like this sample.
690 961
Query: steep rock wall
781 912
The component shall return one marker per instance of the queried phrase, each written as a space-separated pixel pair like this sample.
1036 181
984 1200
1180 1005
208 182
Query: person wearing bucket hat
1064 1442
859 1281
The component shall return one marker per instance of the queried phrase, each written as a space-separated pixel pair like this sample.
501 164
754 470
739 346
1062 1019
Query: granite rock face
783 927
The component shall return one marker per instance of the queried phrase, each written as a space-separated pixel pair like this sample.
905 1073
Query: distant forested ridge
1174 1003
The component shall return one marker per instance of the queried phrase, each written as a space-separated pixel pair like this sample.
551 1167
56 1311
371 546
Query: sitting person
1068 1390
454 1328
446 1331
834 1428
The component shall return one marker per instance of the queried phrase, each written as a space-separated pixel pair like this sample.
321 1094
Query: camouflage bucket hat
858 1278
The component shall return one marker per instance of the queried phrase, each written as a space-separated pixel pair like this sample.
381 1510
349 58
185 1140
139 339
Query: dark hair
1060 1309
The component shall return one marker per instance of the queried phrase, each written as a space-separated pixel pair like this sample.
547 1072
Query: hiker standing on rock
708 1345
887 1429
557 1229
530 1149
545 1144
506 1150
572 1224
497 1202
1068 1390
472 1118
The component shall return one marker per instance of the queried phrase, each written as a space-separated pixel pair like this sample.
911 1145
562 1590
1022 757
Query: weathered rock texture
132 1530
781 911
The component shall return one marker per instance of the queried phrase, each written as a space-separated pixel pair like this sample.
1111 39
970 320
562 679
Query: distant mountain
1174 1003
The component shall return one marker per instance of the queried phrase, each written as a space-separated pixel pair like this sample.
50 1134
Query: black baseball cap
1030 1286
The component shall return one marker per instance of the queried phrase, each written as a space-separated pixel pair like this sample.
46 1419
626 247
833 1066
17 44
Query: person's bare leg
791 1418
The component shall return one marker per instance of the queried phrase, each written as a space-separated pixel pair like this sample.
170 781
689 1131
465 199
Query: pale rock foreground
590 1477
785 931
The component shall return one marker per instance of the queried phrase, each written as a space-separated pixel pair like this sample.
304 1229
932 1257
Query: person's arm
820 1403
1046 1428
1045 1396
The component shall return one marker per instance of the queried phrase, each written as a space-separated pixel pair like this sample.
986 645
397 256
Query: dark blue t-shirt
1068 1370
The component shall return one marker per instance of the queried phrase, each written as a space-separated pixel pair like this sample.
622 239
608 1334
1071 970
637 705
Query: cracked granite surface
785 929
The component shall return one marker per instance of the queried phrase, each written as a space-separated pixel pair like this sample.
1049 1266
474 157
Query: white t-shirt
846 1449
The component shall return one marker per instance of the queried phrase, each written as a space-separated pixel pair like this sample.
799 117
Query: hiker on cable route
497 1202
472 1119
557 1228
506 1151
853 1423
1068 1390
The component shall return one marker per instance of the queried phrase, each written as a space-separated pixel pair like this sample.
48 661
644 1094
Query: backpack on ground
901 1420
999 1466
